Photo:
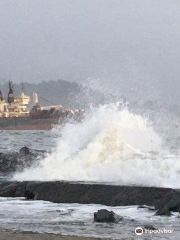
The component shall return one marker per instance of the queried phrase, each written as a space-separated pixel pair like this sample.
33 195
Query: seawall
85 193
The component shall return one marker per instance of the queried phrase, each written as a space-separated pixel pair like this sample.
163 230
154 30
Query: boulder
24 150
29 195
163 212
12 189
18 161
171 202
106 216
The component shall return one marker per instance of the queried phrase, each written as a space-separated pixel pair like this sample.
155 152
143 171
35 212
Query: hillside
68 94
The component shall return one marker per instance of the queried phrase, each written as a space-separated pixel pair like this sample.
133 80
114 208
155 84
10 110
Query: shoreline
7 234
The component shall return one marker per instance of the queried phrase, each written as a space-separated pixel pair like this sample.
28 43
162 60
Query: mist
126 46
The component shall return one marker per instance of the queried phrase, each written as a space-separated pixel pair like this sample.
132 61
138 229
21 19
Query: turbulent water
77 219
110 145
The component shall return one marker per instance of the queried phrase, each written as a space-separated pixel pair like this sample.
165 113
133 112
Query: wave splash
109 145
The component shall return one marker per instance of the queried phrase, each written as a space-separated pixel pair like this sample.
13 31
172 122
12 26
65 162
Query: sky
129 45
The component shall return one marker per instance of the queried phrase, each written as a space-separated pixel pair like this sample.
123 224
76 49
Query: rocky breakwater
17 161
164 200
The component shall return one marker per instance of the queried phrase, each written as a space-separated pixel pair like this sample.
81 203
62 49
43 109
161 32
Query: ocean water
110 145
77 219
12 141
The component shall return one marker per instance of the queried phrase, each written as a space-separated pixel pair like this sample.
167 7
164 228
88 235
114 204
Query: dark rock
20 190
85 193
12 189
8 190
12 186
104 215
171 202
25 158
8 193
149 227
24 150
163 212
29 195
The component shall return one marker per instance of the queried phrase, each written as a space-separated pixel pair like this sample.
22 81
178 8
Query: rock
11 186
12 189
104 215
163 212
171 202
8 190
86 193
18 161
20 190
24 150
149 227
8 193
29 195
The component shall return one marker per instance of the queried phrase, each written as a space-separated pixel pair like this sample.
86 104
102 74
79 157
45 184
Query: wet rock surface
17 161
84 193
106 216
163 212
170 203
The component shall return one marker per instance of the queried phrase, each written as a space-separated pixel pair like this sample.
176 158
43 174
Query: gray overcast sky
119 41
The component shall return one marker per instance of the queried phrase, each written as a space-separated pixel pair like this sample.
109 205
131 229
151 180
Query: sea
109 146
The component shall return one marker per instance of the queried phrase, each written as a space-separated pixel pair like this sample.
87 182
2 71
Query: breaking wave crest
109 145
